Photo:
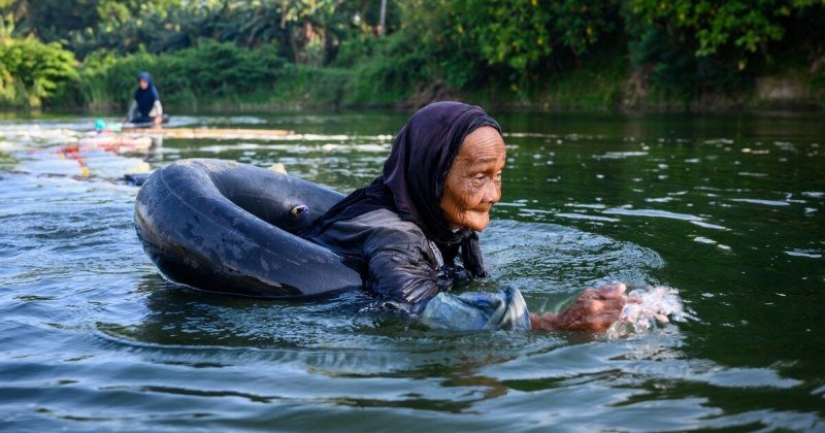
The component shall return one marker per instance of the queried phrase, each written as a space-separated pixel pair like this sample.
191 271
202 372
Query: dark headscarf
413 179
146 98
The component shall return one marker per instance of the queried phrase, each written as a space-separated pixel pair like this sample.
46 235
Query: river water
728 209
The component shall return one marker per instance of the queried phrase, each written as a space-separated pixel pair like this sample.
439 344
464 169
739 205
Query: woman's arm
400 266
132 110
157 110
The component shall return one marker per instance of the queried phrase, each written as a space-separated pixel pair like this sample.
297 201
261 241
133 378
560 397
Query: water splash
648 308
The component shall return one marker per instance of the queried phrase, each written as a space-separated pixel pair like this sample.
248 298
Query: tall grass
210 73
214 75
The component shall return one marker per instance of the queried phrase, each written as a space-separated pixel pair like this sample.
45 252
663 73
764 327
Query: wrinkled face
473 184
143 84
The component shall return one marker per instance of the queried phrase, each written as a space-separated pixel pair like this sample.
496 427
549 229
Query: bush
389 75
694 48
194 76
32 72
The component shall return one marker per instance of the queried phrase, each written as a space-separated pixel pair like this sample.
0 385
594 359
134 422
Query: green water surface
727 208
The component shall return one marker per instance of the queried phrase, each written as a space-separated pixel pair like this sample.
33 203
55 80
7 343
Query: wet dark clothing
396 260
394 230
406 273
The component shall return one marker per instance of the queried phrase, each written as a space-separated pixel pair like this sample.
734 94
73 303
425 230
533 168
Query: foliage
694 47
390 75
31 72
520 33
55 20
310 51
747 27
306 31
471 43
208 72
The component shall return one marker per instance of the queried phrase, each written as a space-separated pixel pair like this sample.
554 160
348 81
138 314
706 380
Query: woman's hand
594 311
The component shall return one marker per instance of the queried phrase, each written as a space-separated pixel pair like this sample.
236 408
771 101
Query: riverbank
224 77
607 83
323 89
588 90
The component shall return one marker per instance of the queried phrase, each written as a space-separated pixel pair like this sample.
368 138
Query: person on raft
146 106
406 229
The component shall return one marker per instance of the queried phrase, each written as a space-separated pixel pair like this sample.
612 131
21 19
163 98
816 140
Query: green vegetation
31 71
212 71
328 53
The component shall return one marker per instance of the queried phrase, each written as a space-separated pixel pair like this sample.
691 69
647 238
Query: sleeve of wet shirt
157 110
132 111
401 265
504 309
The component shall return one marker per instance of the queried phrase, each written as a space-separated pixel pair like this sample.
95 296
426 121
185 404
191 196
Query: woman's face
473 184
143 84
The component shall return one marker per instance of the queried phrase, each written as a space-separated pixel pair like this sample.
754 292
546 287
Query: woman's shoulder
386 221
383 230
396 241
380 232
375 228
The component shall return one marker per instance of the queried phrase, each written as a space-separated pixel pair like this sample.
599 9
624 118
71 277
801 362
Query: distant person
146 106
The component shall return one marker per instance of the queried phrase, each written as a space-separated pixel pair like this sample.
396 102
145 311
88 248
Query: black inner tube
229 228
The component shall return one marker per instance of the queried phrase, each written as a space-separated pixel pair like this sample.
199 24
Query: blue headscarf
146 98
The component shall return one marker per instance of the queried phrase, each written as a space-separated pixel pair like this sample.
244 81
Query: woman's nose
492 193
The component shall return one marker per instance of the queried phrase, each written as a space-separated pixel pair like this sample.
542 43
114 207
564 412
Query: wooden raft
194 133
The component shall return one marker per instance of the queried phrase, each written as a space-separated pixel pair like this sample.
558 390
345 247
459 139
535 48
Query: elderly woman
406 230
